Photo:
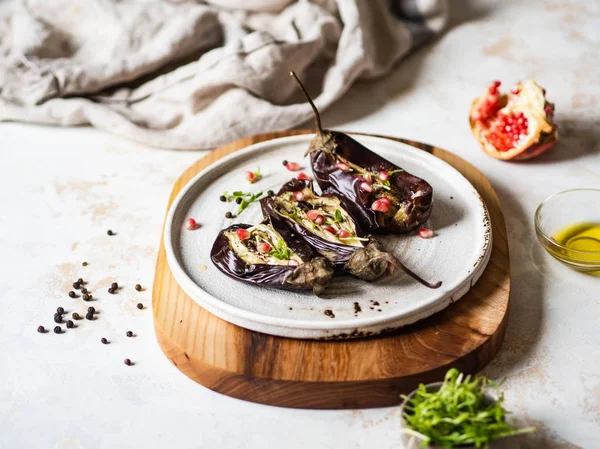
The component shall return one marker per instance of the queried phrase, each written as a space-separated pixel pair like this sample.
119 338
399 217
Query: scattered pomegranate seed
425 233
263 247
250 177
380 206
330 229
515 90
243 234
191 224
299 195
343 234
366 186
383 176
292 166
315 216
303 176
293 263
344 167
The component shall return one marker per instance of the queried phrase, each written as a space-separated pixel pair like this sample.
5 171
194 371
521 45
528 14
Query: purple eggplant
382 197
261 255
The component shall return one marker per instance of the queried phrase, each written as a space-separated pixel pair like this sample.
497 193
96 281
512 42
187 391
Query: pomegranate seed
263 247
292 166
383 176
344 167
303 176
343 234
250 176
243 234
299 196
386 200
319 220
330 229
548 110
315 216
425 233
293 263
366 186
380 206
515 90
191 224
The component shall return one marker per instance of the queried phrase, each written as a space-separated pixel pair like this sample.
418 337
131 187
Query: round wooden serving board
370 372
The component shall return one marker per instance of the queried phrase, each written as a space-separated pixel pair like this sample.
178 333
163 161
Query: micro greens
457 414
338 216
393 172
386 185
281 252
247 198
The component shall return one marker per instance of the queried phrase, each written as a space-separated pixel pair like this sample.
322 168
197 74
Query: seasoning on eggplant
263 256
326 226
381 196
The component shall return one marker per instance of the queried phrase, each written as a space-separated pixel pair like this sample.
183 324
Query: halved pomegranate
514 126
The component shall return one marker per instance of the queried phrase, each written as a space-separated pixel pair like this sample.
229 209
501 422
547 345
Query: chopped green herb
457 414
281 251
386 185
338 216
246 198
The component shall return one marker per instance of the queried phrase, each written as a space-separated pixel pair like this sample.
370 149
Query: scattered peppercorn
271 193
72 294
91 310
238 200
58 318
57 329
41 329
284 162
87 297
127 362
111 290
109 232
223 198
76 285
89 316
228 214
76 316
104 341
84 264
84 290
114 285
60 310
70 324
138 287
80 281
129 334
140 305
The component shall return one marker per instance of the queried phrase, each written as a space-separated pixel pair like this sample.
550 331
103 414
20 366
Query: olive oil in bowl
578 244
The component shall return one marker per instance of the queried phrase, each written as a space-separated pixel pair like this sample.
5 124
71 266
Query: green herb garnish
458 414
386 185
338 216
281 252
247 198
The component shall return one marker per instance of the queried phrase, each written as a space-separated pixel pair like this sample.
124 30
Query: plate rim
215 305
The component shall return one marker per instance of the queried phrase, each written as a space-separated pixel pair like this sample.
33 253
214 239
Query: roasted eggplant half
382 197
324 224
261 255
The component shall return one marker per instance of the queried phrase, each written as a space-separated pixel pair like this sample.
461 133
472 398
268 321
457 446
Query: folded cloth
193 75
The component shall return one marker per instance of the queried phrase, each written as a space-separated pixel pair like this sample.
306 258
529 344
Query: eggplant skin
414 195
313 274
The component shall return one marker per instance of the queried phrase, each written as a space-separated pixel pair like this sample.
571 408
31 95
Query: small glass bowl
561 211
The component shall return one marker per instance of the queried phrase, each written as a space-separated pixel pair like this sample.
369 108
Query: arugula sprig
281 251
458 414
245 198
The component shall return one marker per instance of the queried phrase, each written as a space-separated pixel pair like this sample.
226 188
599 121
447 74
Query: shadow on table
526 309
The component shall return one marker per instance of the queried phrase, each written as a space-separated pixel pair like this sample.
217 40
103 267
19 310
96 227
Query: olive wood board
343 374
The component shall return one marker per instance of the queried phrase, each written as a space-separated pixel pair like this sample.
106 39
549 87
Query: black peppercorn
84 290
41 329
109 232
129 334
140 305
76 316
72 294
222 198
104 341
84 264
228 214
70 324
111 290
80 281
86 297
60 310
89 316
127 362
238 200
57 330
138 287
58 318
76 285
91 310
284 162
114 286
271 193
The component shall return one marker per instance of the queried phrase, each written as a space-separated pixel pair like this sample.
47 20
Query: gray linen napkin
191 74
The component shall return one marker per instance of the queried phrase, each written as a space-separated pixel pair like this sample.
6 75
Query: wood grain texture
369 372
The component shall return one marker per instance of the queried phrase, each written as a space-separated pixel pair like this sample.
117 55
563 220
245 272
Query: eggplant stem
416 277
312 105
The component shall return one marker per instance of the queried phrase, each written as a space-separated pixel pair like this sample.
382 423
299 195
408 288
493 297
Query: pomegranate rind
542 132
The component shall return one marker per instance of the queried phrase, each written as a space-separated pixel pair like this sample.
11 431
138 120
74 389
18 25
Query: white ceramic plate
456 255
